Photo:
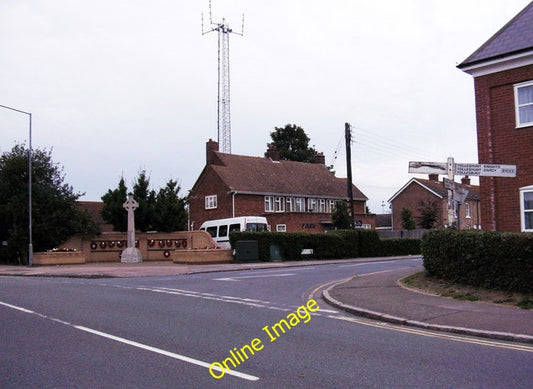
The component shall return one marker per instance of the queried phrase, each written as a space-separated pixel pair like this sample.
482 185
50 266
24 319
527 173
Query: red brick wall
411 198
499 142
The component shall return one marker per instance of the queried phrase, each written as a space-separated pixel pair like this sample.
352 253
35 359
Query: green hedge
334 244
481 259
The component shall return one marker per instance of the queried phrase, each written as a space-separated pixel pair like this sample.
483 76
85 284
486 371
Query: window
330 206
299 204
526 208
212 231
281 228
467 210
290 204
210 202
234 227
321 205
223 230
524 104
269 203
311 205
279 204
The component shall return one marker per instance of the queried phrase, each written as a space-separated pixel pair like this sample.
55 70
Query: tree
113 210
55 214
165 211
293 144
428 215
170 213
144 215
340 216
408 223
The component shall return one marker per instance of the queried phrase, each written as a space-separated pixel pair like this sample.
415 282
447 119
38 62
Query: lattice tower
223 102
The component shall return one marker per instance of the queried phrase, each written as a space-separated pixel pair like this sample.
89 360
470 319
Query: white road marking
136 344
259 276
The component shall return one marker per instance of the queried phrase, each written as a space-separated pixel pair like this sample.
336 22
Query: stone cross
131 254
131 205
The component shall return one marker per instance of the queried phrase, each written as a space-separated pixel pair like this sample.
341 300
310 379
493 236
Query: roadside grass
423 283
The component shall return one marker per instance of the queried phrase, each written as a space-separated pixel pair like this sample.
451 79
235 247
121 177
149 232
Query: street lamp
30 245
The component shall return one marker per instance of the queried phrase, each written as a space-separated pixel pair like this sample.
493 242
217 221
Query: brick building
419 193
503 79
293 196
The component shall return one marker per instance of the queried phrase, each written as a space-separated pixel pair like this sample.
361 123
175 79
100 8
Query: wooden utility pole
348 136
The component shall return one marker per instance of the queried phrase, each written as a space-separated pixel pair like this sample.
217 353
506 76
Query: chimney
210 147
320 158
434 177
272 153
465 180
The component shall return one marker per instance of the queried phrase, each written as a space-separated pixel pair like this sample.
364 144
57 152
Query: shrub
480 259
335 244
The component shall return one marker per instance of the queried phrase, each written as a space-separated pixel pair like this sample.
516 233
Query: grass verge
423 283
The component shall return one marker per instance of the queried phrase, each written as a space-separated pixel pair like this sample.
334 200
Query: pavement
378 296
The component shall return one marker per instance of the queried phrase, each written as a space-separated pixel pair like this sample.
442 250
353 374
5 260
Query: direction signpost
456 192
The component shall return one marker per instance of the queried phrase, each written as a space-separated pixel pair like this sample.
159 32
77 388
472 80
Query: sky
117 87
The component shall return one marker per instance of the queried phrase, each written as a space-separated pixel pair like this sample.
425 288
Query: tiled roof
513 38
438 187
263 175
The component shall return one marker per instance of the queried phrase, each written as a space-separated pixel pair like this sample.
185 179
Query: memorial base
131 255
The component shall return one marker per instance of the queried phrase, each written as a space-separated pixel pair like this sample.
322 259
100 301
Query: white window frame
299 204
269 203
281 228
523 210
312 204
290 207
321 203
279 204
468 213
211 202
518 106
330 206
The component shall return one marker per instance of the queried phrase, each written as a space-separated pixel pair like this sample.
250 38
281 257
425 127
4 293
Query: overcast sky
118 86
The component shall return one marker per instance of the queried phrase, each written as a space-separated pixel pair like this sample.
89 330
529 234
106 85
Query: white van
220 229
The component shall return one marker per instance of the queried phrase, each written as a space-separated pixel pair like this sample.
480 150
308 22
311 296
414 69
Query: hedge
481 259
334 244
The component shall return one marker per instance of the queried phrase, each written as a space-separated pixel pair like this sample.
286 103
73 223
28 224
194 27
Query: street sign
428 167
451 185
476 169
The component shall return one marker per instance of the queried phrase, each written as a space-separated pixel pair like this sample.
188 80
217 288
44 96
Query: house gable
500 67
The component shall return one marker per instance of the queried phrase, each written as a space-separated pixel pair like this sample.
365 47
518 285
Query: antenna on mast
223 110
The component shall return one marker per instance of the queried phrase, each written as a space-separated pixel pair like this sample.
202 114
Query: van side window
212 231
234 227
223 230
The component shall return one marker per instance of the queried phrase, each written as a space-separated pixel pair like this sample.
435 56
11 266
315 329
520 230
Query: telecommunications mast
224 117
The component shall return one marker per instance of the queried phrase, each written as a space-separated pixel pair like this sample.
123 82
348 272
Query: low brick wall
58 258
202 256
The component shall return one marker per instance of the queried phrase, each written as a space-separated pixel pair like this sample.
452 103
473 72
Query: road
165 332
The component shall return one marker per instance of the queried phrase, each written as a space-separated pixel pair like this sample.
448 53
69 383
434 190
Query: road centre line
135 344
431 334
256 276
209 296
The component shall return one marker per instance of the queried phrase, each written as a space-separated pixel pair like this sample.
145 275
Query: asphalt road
161 332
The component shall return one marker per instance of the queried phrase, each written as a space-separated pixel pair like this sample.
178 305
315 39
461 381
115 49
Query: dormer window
524 104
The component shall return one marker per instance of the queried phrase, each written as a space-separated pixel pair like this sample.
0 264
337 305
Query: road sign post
456 192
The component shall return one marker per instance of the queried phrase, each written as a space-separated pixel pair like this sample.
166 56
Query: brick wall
500 142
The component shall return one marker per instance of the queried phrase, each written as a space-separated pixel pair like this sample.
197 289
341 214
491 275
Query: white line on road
136 344
260 276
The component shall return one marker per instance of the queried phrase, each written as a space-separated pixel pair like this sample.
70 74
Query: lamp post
30 244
